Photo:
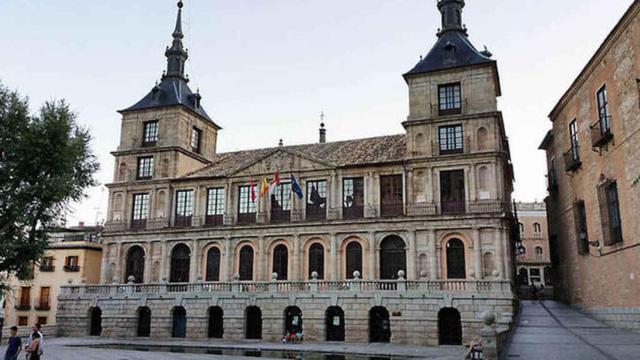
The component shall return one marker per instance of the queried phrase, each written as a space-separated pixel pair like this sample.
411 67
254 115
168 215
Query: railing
280 216
316 213
214 220
600 135
47 268
43 304
391 209
247 218
71 268
438 151
572 158
182 221
23 307
353 212
311 286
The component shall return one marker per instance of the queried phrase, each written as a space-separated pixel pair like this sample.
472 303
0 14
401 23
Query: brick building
403 238
534 262
593 158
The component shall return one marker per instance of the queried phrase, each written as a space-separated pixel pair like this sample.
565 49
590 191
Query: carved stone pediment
284 162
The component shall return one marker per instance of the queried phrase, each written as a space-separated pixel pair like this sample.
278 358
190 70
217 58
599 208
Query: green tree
45 164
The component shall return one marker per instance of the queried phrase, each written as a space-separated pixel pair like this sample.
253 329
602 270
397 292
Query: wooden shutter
604 214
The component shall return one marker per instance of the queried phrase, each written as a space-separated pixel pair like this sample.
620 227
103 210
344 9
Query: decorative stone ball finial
314 275
488 317
114 280
401 274
274 276
356 275
180 4
131 279
472 274
495 273
236 276
69 281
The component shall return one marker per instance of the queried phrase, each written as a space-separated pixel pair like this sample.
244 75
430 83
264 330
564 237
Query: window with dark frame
451 139
281 203
46 265
316 200
316 260
150 133
582 234
44 298
391 195
575 143
610 213
25 297
215 206
145 167
196 135
72 264
449 99
452 192
42 320
140 211
603 110
353 198
213 264
354 259
245 265
184 208
246 206
23 320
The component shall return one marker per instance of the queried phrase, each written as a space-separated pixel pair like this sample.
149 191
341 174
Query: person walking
14 345
33 349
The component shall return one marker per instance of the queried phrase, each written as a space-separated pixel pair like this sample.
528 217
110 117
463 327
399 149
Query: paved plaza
549 330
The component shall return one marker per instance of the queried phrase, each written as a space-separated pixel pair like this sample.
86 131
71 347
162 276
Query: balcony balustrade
601 132
572 159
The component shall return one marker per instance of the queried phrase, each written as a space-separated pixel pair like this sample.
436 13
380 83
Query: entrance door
456 268
216 329
292 320
179 329
144 322
392 257
335 323
379 325
253 323
452 189
449 327
95 328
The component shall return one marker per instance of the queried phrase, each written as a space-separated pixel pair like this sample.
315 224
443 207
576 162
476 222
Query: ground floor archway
144 322
449 327
216 322
292 320
334 320
95 322
379 325
253 323
179 323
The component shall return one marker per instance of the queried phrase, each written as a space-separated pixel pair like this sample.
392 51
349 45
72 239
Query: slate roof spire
451 11
176 54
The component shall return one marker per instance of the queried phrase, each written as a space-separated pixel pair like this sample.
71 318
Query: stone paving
65 349
549 330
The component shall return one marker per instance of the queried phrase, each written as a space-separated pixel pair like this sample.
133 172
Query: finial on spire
323 131
176 54
451 11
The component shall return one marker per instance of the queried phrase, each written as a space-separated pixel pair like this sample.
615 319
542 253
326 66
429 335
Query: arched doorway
144 322
334 317
95 325
253 323
354 259
523 276
281 262
292 320
392 257
449 327
245 264
316 260
216 322
180 262
456 268
379 325
179 323
213 264
135 264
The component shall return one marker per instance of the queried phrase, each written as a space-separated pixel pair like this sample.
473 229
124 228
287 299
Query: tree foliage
45 163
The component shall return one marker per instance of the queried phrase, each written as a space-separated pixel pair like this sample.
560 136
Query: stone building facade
403 238
593 159
533 262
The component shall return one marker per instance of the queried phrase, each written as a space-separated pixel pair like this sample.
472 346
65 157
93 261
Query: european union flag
295 187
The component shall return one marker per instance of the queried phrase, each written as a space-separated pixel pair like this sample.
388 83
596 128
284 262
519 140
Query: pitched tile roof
377 150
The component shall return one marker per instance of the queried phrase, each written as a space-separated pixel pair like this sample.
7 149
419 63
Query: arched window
281 262
180 262
135 264
245 264
449 327
488 264
539 250
456 268
216 329
144 321
95 325
316 260
253 323
482 138
537 228
392 257
379 325
334 318
179 322
483 179
354 259
213 264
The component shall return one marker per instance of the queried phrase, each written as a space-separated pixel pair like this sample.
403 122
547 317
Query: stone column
334 270
477 254
104 269
148 263
164 263
433 254
296 263
262 265
228 258
119 260
497 239
508 264
412 273
373 255
409 189
194 261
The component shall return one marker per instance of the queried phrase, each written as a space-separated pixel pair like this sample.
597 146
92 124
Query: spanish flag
264 187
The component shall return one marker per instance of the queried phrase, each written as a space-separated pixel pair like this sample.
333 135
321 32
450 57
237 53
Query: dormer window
150 133
449 99
196 134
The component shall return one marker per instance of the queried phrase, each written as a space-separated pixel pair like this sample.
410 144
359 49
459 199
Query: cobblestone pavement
549 330
65 349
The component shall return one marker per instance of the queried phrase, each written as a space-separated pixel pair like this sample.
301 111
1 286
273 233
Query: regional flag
253 189
295 187
264 187
274 184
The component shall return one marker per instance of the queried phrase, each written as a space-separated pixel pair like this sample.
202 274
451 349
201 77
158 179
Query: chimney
81 224
323 134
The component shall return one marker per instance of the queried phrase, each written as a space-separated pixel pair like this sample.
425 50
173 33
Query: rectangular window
582 234
246 206
46 265
184 208
145 167
42 320
449 99
25 298
603 110
610 213
317 200
140 211
150 134
391 195
452 192
44 298
23 320
215 206
353 198
534 275
72 264
575 144
281 203
451 139
196 135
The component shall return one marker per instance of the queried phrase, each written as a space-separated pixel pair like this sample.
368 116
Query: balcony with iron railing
278 216
465 148
182 221
71 268
47 268
43 304
353 212
246 218
601 132
23 306
572 158
316 213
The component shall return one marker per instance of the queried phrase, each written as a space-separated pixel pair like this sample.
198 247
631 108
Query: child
34 347
475 350
14 346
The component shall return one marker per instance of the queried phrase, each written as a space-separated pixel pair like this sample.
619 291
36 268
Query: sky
267 68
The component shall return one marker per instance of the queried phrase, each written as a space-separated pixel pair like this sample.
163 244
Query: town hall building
405 238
